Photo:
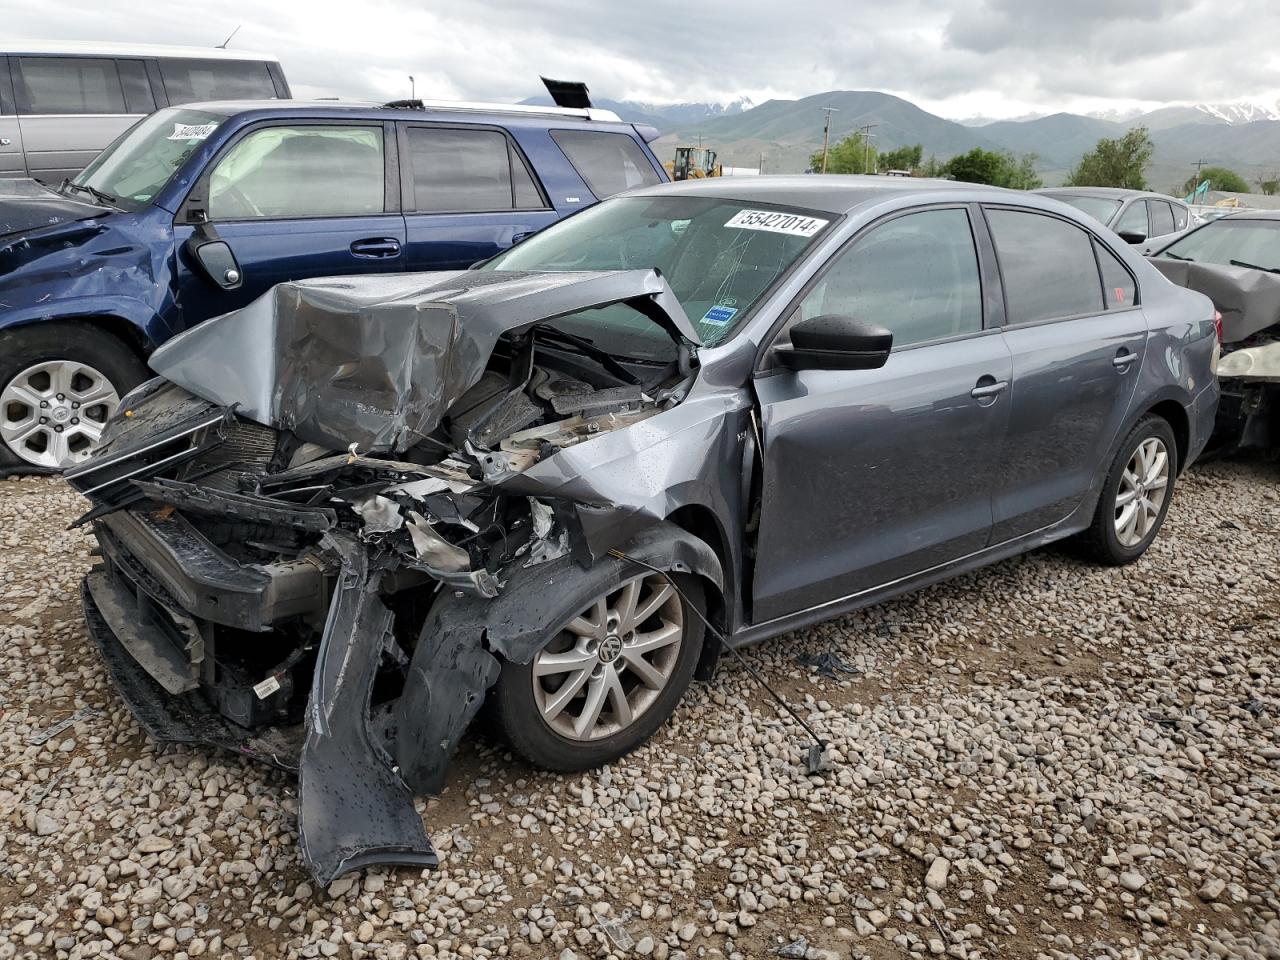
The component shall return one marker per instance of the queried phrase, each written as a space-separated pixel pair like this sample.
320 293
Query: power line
866 129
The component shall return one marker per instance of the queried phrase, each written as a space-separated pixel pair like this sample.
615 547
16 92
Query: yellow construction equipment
693 163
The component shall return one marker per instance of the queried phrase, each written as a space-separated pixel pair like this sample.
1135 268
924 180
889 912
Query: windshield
719 256
1100 208
1231 242
140 162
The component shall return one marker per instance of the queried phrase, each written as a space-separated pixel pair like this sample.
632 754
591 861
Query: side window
190 81
67 85
607 162
916 275
1180 217
1118 289
137 88
1133 220
1161 218
468 171
304 171
1047 266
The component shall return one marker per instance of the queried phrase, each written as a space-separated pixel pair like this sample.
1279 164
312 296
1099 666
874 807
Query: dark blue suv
199 209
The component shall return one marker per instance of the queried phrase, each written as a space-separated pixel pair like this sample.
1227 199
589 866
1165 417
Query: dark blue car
199 209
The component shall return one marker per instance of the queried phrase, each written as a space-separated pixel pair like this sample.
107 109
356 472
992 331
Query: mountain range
784 133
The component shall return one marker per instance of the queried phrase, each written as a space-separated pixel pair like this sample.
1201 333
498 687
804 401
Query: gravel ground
1043 759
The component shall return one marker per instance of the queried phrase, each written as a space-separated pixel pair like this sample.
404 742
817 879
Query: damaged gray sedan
347 516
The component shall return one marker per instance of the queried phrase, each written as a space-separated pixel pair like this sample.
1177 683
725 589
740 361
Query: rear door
69 109
1077 338
293 201
469 193
12 162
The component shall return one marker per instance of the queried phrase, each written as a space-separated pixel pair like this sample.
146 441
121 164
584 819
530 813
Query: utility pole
826 134
413 92
1198 165
866 145
761 161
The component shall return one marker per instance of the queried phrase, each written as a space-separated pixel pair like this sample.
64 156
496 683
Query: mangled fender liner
354 811
456 658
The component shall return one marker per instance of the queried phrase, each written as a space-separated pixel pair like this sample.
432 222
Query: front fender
134 312
457 657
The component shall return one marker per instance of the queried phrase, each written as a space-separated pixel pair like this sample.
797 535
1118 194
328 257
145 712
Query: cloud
992 56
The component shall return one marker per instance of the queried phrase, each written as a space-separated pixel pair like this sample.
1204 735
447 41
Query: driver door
292 201
871 476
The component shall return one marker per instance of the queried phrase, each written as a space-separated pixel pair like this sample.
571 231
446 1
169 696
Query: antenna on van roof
223 44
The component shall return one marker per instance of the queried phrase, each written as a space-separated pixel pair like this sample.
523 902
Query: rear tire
84 365
1135 495
551 725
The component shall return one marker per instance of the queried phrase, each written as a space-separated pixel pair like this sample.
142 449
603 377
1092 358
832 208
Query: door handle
519 237
991 388
376 248
1123 359
5 141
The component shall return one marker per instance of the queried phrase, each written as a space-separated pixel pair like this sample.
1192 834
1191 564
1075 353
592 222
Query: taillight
1217 324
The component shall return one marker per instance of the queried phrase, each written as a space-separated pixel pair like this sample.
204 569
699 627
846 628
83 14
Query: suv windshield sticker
192 131
790 223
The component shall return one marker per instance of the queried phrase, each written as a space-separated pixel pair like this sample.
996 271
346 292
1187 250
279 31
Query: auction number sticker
192 131
792 224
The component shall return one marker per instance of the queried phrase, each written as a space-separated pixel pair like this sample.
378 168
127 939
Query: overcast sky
998 58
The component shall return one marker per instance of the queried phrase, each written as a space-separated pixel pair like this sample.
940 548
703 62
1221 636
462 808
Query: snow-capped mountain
1238 112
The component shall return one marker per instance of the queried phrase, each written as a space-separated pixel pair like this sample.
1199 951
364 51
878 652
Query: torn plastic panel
377 363
353 809
1249 300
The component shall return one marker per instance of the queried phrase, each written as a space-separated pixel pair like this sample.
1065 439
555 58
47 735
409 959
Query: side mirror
836 343
1134 237
214 258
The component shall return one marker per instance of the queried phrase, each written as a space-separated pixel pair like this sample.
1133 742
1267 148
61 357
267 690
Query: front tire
609 677
59 382
1136 494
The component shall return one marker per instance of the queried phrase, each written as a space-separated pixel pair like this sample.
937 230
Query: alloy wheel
1143 487
52 414
609 664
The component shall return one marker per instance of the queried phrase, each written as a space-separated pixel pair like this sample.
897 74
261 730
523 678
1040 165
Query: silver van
61 104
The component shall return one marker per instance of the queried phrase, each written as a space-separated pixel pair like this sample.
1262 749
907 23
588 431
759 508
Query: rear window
1047 266
67 85
1118 288
468 171
190 81
607 162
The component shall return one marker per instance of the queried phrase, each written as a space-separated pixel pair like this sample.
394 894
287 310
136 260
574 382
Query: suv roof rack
467 106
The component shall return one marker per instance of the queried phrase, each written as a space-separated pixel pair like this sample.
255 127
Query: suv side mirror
214 258
1134 237
836 343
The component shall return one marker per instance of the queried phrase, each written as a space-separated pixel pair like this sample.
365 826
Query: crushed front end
267 589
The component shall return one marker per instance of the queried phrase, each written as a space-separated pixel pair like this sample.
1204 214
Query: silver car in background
1145 220
62 103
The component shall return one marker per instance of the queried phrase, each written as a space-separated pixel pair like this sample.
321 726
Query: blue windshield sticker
719 316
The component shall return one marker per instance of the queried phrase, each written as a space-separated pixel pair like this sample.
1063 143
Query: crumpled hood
1249 300
27 206
377 361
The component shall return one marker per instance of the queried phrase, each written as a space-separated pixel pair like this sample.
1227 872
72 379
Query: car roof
401 109
830 193
1109 193
1249 215
82 48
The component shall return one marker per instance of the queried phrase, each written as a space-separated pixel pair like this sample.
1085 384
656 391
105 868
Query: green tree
1269 185
1116 163
933 167
1220 178
999 169
850 155
904 158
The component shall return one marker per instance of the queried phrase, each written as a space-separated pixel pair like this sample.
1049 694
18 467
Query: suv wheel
1136 494
59 382
608 678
